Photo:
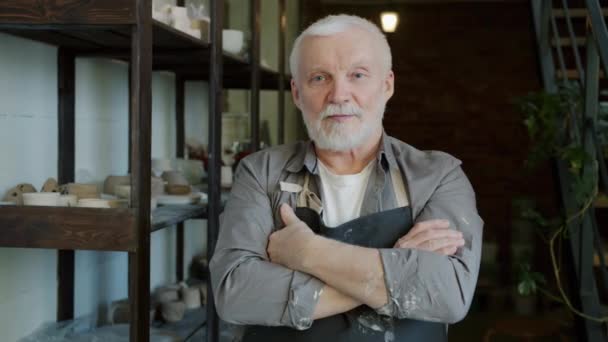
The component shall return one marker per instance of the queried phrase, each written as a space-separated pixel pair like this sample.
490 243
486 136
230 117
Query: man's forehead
345 46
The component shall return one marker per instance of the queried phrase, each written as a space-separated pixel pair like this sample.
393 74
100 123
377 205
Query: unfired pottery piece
175 178
67 201
176 189
172 312
50 185
109 185
15 194
48 199
191 296
83 190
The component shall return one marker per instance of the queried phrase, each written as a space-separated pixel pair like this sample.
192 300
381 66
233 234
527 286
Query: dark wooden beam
67 228
180 125
215 152
255 74
281 86
180 145
141 128
66 70
98 12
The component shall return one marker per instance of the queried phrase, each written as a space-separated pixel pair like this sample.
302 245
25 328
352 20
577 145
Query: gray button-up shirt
249 289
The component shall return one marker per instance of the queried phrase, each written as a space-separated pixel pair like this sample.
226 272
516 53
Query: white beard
336 136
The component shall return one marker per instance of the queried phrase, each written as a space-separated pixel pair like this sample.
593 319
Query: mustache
345 109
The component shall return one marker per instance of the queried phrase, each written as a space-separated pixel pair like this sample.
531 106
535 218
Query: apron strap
307 198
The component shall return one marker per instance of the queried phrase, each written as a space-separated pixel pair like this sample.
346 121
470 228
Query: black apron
362 324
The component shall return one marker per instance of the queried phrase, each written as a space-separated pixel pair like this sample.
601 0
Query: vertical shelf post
282 38
66 69
141 107
255 74
215 152
180 128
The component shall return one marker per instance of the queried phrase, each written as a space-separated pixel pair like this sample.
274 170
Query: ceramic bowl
49 199
233 41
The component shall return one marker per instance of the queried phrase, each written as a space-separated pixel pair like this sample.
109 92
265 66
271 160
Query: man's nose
340 92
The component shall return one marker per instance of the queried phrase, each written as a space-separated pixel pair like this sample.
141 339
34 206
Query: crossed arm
353 275
255 282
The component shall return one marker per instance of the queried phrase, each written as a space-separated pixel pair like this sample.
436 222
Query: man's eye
318 78
359 75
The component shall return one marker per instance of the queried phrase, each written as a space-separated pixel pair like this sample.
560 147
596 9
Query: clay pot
109 185
166 294
123 191
50 185
172 312
174 178
191 296
82 190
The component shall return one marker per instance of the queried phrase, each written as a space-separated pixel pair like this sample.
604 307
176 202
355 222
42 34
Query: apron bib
362 324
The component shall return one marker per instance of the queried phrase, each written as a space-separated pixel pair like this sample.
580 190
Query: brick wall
458 67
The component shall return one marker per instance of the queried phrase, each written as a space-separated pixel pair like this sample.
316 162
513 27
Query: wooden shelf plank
67 228
168 215
78 12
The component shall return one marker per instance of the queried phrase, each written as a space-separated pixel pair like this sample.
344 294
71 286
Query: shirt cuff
398 296
304 294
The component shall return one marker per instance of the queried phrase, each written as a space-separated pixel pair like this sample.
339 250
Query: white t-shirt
343 194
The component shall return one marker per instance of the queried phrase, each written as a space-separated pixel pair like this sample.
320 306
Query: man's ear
295 93
389 85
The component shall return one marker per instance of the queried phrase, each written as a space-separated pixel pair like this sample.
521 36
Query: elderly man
355 235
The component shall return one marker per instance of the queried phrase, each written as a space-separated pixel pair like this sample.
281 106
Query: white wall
28 150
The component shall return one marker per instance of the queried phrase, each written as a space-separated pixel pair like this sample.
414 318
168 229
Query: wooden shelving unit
125 30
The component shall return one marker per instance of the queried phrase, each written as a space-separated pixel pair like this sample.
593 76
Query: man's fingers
440 244
288 215
426 225
434 234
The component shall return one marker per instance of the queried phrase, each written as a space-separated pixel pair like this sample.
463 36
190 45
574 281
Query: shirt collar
307 157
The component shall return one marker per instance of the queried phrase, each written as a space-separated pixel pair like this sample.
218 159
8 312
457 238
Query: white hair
334 24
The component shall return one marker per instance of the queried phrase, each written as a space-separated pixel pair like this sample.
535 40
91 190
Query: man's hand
434 236
288 246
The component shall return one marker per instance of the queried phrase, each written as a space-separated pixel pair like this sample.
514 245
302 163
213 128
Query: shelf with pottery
173 50
77 216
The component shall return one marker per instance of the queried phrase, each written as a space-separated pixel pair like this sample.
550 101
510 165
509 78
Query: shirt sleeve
428 286
247 287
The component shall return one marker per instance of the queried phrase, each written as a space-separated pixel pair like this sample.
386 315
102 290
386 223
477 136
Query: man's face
342 87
